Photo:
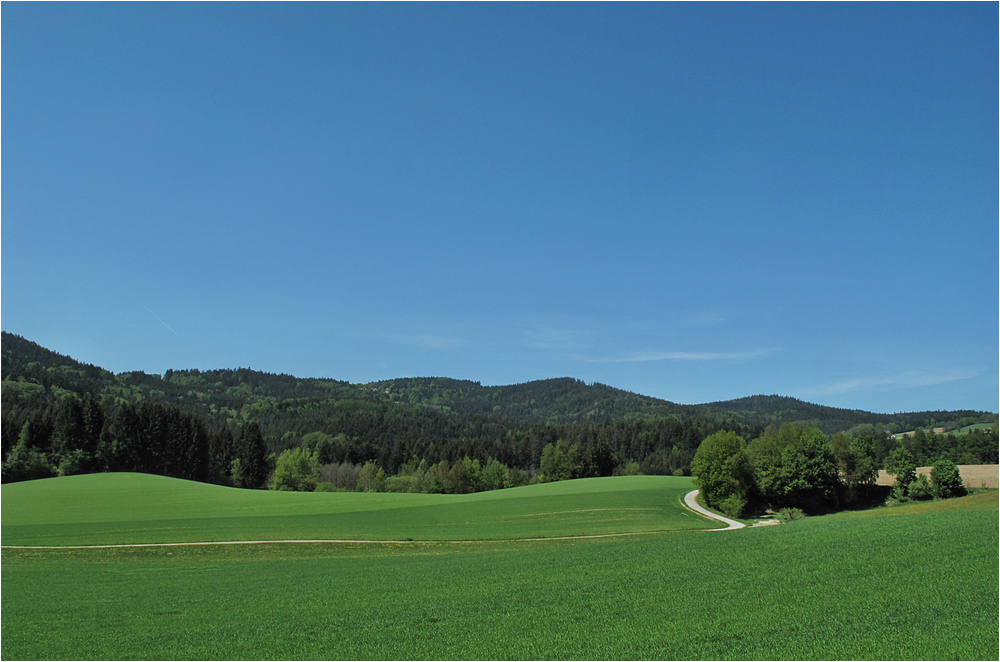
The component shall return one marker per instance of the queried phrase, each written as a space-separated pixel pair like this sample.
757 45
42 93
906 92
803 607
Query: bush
24 463
402 484
921 489
329 487
946 479
898 494
733 505
789 514
296 470
72 463
627 469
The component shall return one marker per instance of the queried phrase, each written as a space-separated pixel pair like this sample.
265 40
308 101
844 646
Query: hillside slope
130 508
776 409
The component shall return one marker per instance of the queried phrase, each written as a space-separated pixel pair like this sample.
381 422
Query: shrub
898 494
297 470
515 477
921 489
371 478
72 463
789 514
946 479
24 463
733 505
402 484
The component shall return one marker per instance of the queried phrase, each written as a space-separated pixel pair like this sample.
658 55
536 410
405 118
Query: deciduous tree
946 479
795 467
724 472
901 464
296 470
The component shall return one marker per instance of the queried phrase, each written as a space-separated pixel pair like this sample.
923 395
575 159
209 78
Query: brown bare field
973 475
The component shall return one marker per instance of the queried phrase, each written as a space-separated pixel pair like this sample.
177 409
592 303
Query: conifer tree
252 453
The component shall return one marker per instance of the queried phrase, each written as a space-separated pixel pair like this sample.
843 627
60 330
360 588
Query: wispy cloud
908 379
682 356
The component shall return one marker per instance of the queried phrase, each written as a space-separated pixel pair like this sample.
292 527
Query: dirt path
328 542
690 500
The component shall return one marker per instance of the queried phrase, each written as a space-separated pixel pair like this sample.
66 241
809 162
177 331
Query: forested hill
560 400
243 394
239 393
62 417
212 390
777 409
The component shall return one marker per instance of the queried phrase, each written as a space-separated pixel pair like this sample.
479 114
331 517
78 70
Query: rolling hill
854 585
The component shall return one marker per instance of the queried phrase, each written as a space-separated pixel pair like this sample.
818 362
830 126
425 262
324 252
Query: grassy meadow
139 508
912 582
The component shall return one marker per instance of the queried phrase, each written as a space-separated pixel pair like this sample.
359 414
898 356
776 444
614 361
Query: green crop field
913 582
139 508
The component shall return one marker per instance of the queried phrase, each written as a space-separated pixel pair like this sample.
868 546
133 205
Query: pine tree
252 453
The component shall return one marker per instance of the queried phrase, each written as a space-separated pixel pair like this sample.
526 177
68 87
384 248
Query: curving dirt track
691 501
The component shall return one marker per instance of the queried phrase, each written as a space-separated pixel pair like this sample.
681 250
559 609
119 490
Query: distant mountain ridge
239 393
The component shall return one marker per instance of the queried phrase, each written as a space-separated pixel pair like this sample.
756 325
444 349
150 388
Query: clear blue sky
692 201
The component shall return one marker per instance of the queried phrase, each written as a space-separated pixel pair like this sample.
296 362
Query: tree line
794 466
50 432
231 427
81 435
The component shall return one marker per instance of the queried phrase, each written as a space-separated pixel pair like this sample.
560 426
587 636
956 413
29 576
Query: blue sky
692 201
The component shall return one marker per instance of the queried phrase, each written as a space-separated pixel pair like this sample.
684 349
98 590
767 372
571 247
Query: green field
139 508
913 582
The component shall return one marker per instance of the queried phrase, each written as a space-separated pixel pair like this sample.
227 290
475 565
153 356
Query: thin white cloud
908 379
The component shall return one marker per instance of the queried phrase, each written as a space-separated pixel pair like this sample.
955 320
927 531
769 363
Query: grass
139 508
912 582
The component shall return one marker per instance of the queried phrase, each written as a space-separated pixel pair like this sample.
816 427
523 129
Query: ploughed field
911 582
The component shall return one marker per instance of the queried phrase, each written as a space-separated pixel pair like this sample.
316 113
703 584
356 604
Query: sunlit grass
138 508
914 582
